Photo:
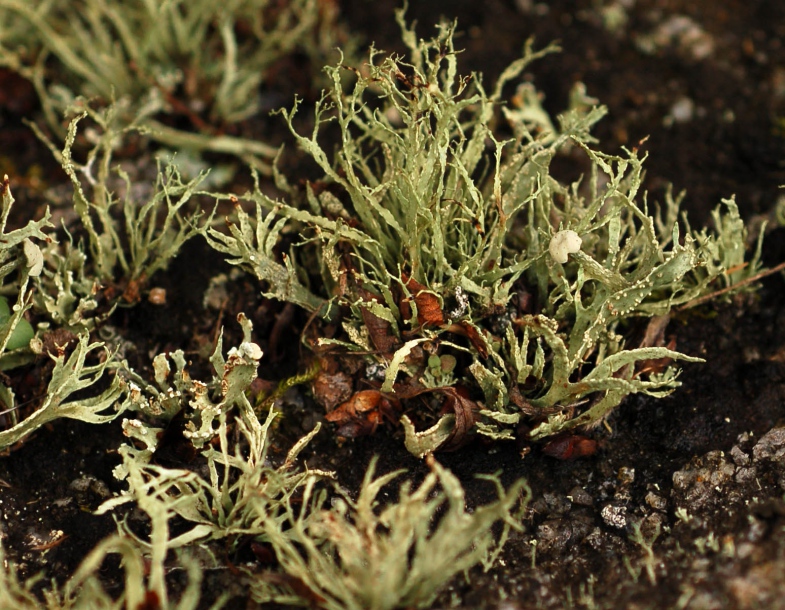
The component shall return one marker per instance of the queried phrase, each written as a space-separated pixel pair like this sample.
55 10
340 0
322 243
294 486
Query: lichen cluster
437 237
436 252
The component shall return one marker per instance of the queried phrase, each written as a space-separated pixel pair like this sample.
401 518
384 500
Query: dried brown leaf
429 310
464 409
332 388
570 447
471 332
458 411
655 331
360 402
362 414
379 330
655 337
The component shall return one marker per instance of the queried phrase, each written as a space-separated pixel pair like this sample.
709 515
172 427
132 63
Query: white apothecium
563 244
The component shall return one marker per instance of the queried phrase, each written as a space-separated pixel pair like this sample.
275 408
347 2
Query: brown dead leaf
331 389
516 397
457 402
367 409
472 334
429 311
362 413
464 409
655 331
360 402
379 330
570 447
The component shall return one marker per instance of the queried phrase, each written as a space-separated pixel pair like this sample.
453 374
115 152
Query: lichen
431 230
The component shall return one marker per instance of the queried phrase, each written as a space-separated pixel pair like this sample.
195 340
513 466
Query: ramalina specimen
70 289
200 60
132 230
242 492
344 553
438 236
363 555
21 265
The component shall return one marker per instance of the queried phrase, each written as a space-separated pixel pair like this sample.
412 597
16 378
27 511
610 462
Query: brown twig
749 280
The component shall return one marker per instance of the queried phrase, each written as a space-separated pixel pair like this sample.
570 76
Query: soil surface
682 506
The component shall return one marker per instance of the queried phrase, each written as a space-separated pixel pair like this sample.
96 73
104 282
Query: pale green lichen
202 60
16 251
412 547
428 228
59 283
143 579
448 255
363 555
128 239
242 490
71 375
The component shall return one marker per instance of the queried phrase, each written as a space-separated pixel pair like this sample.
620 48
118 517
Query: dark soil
701 473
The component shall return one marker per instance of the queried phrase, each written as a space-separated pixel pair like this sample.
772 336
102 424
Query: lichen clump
437 236
455 288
